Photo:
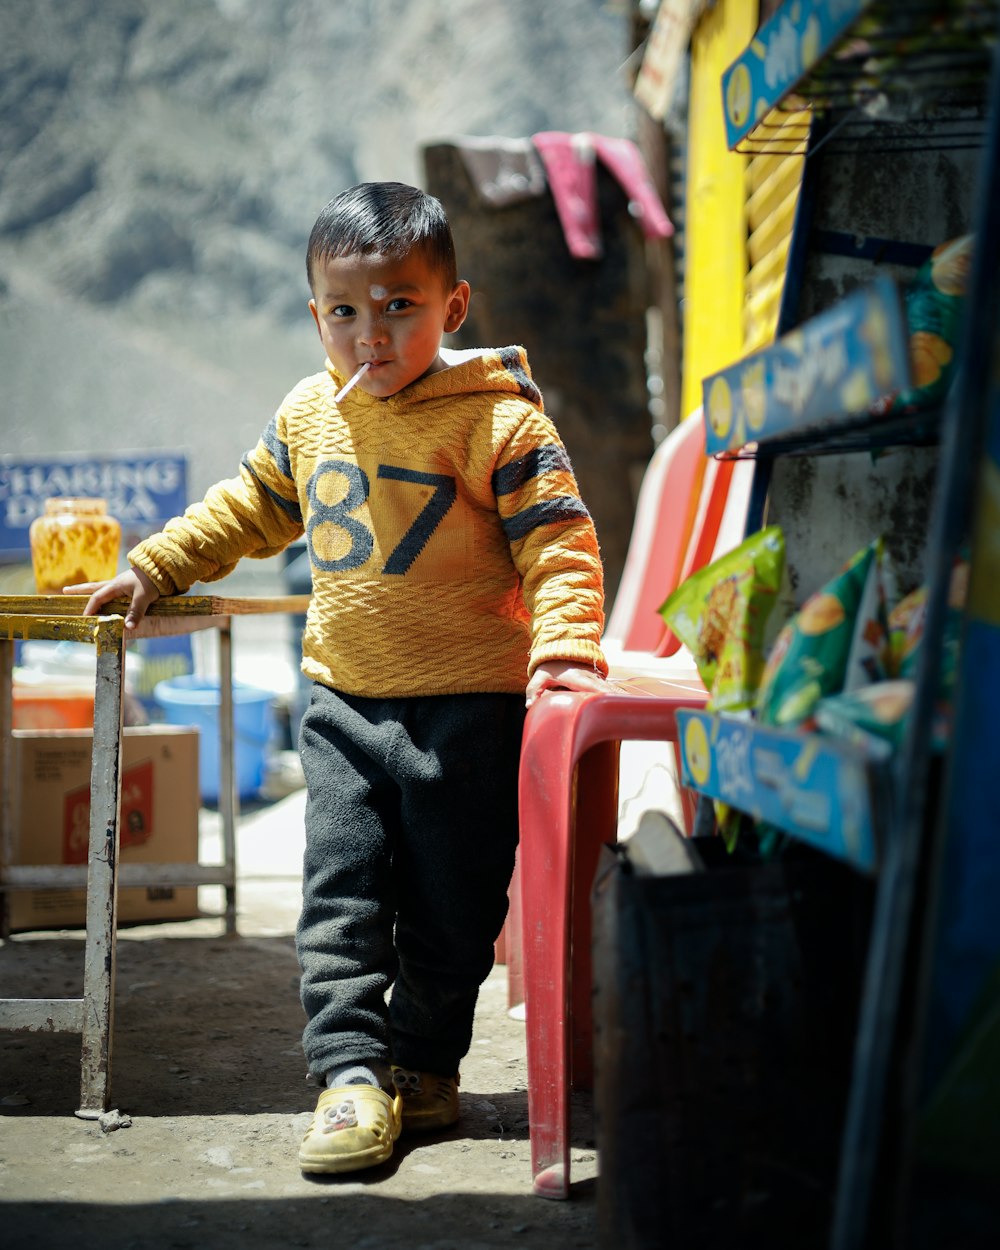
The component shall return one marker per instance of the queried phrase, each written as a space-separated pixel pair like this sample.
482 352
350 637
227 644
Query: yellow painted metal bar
169 605
26 624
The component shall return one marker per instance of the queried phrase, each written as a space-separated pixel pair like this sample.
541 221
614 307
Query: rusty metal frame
59 618
92 1015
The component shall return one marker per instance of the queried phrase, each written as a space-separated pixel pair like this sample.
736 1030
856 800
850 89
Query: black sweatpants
411 829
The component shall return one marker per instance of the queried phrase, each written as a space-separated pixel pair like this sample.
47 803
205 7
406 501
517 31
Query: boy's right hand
133 585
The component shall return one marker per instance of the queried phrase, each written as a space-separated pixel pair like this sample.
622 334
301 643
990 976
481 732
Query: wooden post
582 322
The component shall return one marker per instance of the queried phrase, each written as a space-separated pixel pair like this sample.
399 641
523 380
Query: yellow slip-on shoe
429 1101
353 1127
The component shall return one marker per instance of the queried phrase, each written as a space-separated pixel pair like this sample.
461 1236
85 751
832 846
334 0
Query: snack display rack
919 64
899 78
828 793
814 389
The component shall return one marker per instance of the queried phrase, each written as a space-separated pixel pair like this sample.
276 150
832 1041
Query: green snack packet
878 710
906 625
906 631
720 614
934 305
828 638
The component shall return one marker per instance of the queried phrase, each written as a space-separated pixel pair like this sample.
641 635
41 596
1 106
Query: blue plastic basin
190 700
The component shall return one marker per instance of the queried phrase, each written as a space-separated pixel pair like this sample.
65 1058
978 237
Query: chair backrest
690 510
719 524
657 543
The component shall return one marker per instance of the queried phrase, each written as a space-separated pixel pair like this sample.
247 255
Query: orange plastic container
52 707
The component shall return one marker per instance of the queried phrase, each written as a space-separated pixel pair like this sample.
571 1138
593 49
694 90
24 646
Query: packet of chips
838 636
720 614
906 626
878 711
934 305
906 631
868 657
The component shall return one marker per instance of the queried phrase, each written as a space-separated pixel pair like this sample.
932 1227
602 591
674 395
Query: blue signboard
142 490
782 52
830 368
815 788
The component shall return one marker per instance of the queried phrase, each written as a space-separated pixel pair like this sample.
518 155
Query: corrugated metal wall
773 184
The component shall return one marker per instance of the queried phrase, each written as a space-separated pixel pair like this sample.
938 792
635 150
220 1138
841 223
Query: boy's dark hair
388 218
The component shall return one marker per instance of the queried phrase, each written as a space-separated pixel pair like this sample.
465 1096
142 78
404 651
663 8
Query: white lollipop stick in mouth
349 385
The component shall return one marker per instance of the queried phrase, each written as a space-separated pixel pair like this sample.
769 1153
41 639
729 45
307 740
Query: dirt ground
208 1068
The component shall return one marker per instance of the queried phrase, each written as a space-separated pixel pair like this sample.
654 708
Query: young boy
456 576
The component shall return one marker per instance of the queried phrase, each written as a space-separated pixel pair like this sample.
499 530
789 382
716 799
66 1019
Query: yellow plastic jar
75 540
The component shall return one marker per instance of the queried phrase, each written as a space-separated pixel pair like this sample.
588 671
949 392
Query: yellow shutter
772 191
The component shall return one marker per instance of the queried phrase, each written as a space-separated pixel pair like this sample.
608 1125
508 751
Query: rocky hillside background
161 164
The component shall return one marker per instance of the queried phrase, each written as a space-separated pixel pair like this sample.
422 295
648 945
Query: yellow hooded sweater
450 550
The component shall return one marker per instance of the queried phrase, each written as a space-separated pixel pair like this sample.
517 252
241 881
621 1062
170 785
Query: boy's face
388 312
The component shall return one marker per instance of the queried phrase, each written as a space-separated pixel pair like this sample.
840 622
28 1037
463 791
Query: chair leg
595 821
546 801
566 815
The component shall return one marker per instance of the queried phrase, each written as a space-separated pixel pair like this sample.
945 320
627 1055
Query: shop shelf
819 382
916 70
822 790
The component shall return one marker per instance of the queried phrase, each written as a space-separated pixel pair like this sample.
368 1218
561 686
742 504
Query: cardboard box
159 819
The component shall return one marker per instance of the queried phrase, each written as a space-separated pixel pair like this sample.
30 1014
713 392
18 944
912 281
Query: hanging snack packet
868 657
933 316
906 625
906 632
835 635
934 306
906 628
878 710
720 614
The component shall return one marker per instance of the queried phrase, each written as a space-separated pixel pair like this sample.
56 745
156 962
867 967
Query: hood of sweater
468 372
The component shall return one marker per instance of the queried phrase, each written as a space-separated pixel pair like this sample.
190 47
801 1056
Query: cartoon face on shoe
343 1115
408 1083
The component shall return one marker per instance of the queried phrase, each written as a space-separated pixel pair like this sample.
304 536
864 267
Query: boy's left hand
562 675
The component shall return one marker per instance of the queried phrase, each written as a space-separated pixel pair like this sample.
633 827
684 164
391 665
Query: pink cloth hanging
570 162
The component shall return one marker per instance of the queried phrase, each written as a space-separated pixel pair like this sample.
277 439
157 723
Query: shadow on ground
202 1027
207 1064
365 1222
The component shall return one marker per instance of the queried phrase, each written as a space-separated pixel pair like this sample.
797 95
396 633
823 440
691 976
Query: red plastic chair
635 633
664 518
568 788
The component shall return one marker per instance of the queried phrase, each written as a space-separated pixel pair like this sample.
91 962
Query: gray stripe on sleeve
548 459
549 512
